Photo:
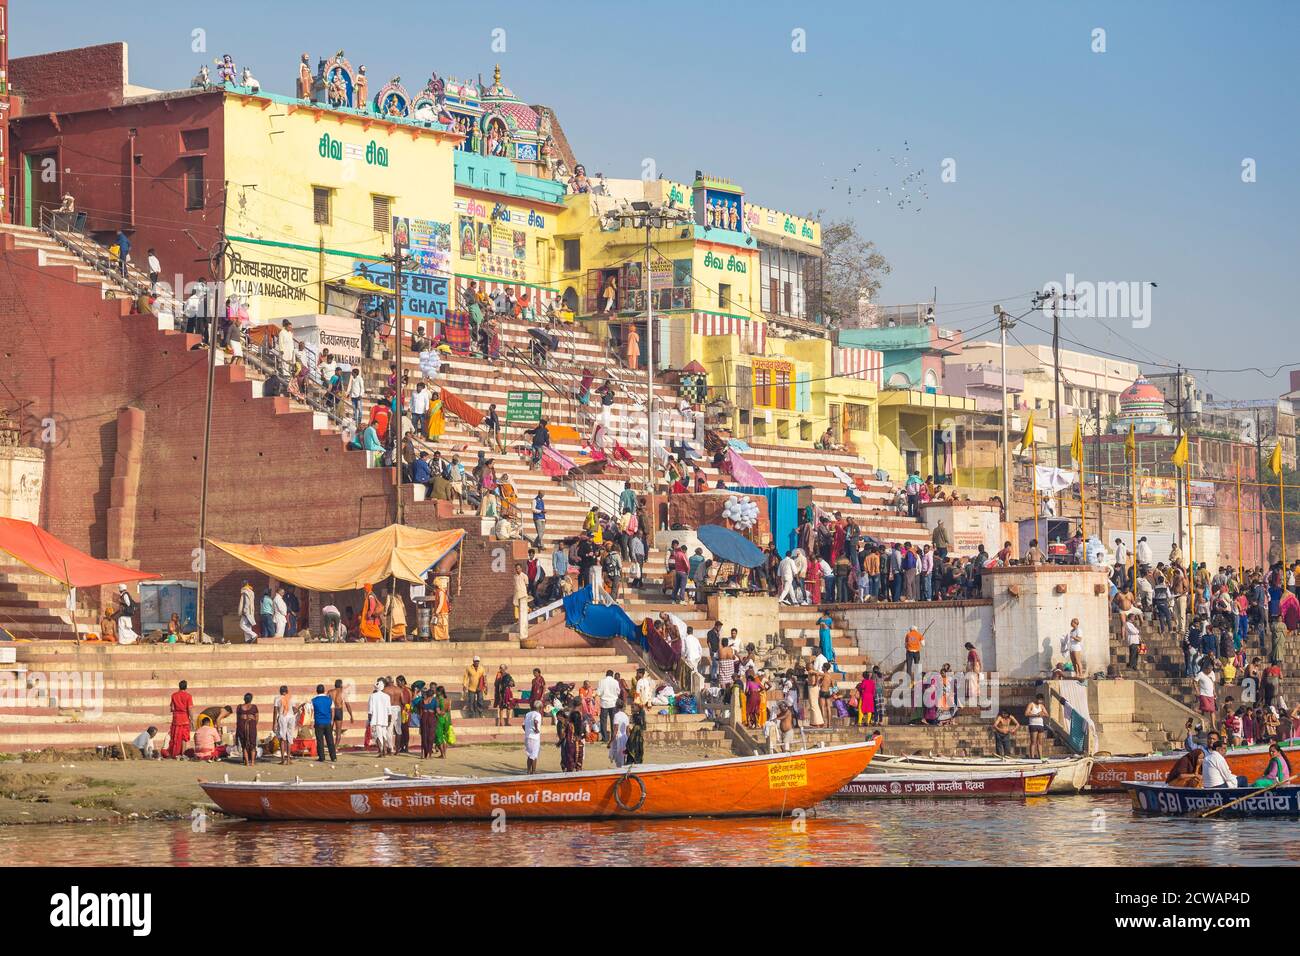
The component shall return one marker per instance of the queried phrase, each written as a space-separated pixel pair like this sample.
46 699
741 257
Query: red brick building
143 161
124 406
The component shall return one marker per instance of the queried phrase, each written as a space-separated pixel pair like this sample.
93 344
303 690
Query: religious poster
1156 491
502 251
468 236
427 241
1203 494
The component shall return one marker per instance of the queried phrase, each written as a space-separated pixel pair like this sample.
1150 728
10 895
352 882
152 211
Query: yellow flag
1180 453
1275 460
1027 439
1131 443
1076 446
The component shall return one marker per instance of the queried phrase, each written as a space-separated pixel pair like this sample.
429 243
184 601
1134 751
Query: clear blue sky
1115 166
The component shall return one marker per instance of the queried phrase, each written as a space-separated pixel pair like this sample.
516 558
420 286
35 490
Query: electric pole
217 269
397 259
1056 298
1004 324
1259 489
1178 406
1101 534
649 216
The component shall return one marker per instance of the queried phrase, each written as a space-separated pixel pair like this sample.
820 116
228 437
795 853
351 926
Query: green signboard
523 406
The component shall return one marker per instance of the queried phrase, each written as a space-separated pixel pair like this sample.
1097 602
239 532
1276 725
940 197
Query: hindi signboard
523 406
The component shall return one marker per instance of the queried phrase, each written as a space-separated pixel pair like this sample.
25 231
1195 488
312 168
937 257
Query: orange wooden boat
1111 773
766 785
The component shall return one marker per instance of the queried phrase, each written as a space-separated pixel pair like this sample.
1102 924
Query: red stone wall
56 81
96 159
76 360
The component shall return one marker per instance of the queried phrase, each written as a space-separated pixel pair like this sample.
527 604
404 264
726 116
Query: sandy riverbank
81 788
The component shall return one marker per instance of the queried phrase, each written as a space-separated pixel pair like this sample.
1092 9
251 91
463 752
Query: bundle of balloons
741 512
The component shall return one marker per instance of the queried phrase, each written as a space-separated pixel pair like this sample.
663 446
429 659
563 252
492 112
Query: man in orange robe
182 704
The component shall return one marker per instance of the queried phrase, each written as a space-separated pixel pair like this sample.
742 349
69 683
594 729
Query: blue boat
1160 799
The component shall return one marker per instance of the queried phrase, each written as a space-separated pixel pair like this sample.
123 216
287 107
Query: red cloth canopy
41 551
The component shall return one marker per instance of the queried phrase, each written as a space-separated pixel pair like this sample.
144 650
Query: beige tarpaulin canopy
397 550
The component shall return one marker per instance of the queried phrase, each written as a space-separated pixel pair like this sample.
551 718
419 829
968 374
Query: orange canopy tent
41 551
396 551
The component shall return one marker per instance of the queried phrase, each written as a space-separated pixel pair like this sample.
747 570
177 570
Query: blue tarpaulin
782 513
727 545
602 621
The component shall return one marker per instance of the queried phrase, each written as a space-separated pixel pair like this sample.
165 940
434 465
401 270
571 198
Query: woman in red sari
182 704
813 581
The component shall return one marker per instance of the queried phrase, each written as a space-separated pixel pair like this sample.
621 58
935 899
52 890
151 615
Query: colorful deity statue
579 182
226 69
732 218
303 87
710 213
338 89
360 87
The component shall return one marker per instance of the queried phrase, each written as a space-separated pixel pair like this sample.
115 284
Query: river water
1041 831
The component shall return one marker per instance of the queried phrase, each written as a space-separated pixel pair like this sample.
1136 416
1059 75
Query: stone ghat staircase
137 683
50 252
481 383
33 606
1162 666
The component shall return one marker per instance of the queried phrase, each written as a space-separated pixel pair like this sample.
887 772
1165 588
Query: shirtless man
1004 729
826 692
340 702
781 739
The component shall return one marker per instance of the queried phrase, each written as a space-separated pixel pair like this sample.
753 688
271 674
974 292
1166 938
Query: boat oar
1213 810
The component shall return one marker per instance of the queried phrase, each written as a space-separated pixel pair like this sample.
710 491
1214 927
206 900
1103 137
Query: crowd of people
1233 627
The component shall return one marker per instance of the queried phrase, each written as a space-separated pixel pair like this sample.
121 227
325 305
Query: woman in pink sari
753 697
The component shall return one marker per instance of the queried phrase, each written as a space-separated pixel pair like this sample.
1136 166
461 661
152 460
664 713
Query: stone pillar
125 485
969 524
1032 609
22 477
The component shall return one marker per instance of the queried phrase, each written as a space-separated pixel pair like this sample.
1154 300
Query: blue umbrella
727 545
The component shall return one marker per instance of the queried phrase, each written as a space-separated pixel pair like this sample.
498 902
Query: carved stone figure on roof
360 88
202 80
303 87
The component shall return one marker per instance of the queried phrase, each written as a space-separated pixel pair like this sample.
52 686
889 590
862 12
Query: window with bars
763 387
320 204
857 418
572 254
383 220
782 381
194 182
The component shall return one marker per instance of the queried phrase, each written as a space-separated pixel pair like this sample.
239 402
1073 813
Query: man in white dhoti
286 723
379 718
692 649
618 741
533 735
125 632
280 615
785 571
248 613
